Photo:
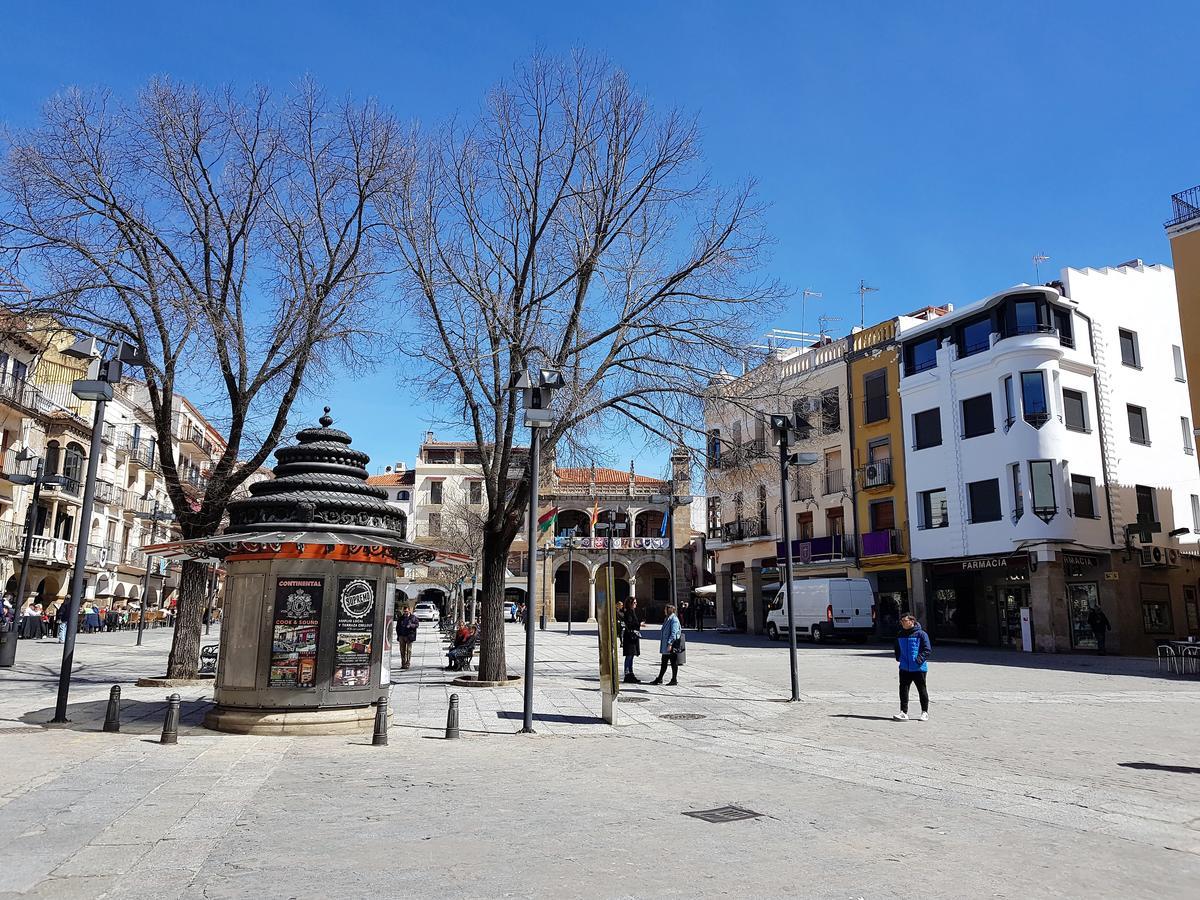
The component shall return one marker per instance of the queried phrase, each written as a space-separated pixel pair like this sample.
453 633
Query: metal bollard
170 732
379 738
452 717
112 716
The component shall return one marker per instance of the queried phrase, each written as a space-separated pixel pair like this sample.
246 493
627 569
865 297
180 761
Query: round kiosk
312 557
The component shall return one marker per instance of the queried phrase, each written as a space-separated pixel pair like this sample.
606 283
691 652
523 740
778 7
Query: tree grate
624 699
682 717
723 814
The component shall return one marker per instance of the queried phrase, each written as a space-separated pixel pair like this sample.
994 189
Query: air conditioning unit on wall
1155 556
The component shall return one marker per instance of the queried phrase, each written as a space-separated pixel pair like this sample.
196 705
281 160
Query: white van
825 608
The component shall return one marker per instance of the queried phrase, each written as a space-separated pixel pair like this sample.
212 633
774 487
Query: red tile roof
392 479
603 476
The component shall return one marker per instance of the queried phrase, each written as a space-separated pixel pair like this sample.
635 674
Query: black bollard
170 733
112 716
452 717
379 738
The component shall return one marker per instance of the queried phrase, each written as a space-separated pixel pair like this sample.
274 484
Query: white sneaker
901 717
924 717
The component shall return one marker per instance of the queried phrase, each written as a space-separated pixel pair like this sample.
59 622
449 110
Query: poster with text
294 633
389 605
355 625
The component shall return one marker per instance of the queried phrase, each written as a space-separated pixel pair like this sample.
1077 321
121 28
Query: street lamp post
537 416
99 390
37 480
154 519
785 432
545 583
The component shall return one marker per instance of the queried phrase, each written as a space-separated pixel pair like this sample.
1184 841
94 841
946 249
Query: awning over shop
710 590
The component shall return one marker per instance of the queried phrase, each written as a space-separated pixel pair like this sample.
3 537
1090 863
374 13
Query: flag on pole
666 520
547 519
595 513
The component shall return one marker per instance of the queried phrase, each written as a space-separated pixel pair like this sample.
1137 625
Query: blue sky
929 148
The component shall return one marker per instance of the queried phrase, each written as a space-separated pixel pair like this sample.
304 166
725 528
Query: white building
1039 423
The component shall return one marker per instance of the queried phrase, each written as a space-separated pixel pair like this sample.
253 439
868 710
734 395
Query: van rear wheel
817 634
772 631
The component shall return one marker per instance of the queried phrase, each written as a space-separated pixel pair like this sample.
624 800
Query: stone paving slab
1035 781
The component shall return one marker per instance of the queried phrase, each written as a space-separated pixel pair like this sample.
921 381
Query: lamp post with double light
787 432
97 388
671 501
606 625
8 653
536 395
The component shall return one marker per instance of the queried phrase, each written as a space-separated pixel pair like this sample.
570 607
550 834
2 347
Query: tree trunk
492 664
184 661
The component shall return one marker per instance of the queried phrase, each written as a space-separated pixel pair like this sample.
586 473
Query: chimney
429 437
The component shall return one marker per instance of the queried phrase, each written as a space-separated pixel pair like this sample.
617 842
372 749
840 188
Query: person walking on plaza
60 619
1100 626
406 634
912 651
631 639
668 646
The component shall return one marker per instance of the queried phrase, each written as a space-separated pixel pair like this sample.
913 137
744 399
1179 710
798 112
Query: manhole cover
681 717
723 814
624 699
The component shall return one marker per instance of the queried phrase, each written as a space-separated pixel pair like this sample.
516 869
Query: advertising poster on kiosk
355 625
294 632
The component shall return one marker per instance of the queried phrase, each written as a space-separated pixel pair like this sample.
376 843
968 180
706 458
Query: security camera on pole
98 388
536 401
788 432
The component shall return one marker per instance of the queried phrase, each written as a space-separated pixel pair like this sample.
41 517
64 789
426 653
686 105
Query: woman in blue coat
912 651
668 646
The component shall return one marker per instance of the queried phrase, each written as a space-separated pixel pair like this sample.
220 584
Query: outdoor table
1179 647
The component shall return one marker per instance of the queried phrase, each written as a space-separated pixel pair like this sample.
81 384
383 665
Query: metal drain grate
33 729
708 685
681 717
624 699
723 814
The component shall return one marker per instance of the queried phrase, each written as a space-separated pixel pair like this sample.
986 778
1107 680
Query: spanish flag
595 513
547 519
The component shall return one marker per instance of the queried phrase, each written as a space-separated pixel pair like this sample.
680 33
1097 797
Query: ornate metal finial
325 420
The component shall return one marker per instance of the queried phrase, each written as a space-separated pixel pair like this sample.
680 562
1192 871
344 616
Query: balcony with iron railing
830 548
107 492
11 538
70 487
1185 207
191 435
744 530
885 542
876 474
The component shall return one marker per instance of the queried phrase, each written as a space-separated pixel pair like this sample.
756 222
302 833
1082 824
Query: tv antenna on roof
824 321
804 295
1038 259
863 290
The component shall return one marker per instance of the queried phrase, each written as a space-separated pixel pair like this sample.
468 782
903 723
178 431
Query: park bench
460 657
208 659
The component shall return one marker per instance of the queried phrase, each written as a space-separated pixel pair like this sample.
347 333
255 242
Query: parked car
427 612
510 611
825 608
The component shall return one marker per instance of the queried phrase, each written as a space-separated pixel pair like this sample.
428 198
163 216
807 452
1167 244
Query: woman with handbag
668 645
631 639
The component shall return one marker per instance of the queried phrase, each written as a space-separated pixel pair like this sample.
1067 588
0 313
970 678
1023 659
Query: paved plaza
1035 777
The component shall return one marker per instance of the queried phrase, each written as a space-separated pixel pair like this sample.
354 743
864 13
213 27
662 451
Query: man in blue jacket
912 651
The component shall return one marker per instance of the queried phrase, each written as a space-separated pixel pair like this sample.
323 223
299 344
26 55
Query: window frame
991 416
989 484
1079 481
1145 490
1185 426
925 505
911 366
1042 511
1145 423
1177 359
965 349
1136 350
1083 427
879 375
1036 419
1018 494
937 417
1061 317
831 411
1168 626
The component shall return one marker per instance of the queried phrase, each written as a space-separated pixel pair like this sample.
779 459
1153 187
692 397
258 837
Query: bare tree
233 238
571 228
461 533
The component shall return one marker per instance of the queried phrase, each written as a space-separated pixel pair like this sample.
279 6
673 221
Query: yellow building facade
877 448
1183 230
